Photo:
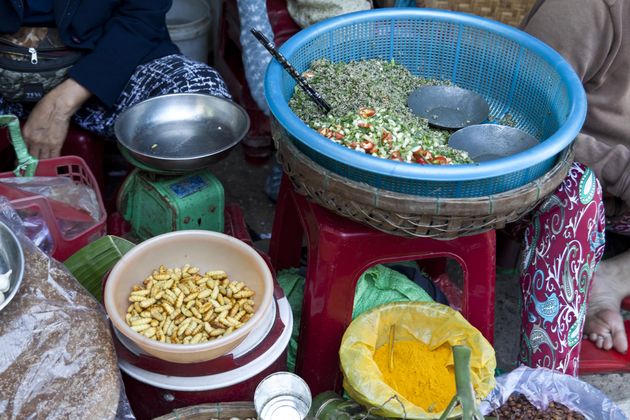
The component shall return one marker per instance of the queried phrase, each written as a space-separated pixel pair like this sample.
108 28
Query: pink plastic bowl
199 248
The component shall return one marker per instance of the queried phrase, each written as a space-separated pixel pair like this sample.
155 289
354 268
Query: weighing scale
170 140
154 202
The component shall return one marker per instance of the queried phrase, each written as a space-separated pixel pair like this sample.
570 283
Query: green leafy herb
370 114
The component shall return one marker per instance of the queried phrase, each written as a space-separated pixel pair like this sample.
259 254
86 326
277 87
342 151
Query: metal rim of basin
12 256
147 129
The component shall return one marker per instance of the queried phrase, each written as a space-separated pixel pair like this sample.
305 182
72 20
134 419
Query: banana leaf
465 393
90 264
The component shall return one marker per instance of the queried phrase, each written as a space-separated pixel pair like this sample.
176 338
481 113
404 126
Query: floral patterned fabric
253 14
563 242
171 74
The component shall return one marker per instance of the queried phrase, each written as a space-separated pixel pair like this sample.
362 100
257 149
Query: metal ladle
448 107
454 108
485 142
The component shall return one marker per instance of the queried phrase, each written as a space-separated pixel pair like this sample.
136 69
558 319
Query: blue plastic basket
516 73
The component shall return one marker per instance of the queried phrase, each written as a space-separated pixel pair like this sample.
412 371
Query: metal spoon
448 106
312 93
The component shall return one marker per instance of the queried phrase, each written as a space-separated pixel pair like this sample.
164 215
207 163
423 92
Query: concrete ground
244 184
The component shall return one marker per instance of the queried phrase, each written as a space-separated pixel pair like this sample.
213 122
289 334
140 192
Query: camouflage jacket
116 35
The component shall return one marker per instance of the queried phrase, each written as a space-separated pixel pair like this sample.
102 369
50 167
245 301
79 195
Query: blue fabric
40 6
38 13
117 36
253 14
272 183
405 3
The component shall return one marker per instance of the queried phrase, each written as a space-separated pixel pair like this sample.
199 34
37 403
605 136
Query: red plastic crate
79 142
75 168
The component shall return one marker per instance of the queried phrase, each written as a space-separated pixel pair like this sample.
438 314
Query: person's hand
46 128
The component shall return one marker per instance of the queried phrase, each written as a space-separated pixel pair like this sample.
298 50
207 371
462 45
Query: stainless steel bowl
11 258
181 131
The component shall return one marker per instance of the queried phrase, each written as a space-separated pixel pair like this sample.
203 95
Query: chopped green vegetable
370 114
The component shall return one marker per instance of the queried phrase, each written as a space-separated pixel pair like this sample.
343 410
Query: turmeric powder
424 377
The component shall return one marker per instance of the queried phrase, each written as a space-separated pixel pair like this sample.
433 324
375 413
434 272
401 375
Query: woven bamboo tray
511 12
220 411
411 215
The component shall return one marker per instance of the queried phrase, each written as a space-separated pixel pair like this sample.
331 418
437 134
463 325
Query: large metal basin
11 258
182 131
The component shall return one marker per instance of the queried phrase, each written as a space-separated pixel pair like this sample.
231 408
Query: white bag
542 386
307 12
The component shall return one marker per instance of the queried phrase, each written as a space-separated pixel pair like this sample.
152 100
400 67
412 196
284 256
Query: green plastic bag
376 286
379 285
292 284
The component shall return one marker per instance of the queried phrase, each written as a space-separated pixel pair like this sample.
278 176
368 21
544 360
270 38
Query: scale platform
171 140
154 204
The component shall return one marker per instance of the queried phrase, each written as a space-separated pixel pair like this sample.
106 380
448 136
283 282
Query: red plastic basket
72 167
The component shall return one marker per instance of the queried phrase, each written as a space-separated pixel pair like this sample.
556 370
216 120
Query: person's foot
604 323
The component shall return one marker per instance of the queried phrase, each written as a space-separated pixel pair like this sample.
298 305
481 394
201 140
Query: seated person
594 37
253 14
128 57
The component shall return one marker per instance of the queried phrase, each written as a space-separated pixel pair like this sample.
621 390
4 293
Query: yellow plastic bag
433 324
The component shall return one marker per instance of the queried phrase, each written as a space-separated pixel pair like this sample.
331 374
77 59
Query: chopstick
308 89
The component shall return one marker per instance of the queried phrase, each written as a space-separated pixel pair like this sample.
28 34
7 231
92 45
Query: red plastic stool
339 251
594 360
90 147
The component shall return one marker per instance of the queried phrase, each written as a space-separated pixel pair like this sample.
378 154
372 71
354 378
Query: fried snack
182 306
